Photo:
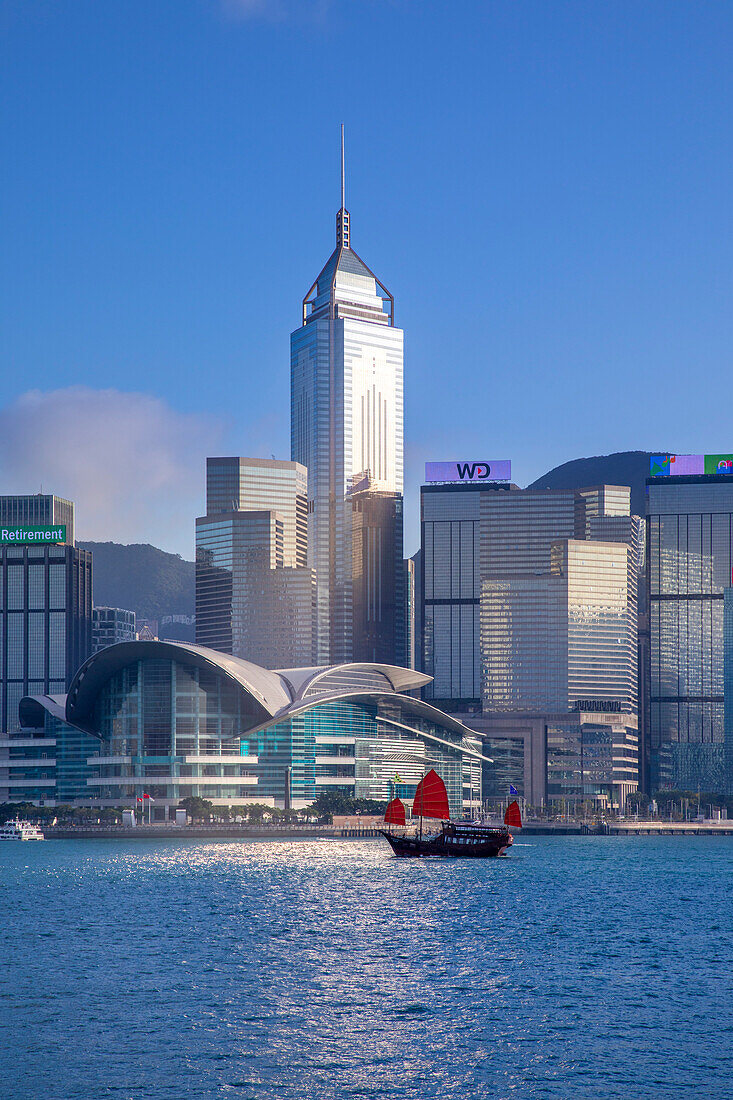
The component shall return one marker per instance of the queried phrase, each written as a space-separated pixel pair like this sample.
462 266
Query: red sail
431 797
513 817
395 814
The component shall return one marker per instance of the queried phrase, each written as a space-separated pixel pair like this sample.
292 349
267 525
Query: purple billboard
676 465
498 469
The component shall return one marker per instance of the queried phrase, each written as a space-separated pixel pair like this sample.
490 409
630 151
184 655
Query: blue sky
545 188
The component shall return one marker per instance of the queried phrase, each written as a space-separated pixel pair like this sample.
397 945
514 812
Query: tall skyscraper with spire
347 428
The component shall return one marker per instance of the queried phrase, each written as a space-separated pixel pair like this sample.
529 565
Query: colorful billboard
24 536
676 465
719 464
680 465
496 470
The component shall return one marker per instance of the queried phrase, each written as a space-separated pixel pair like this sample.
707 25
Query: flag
148 798
513 790
139 799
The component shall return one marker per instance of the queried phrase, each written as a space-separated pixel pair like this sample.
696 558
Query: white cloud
134 466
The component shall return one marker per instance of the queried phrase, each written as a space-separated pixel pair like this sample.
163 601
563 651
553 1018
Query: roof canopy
275 693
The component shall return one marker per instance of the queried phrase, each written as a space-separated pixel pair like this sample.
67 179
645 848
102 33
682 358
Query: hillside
622 468
142 579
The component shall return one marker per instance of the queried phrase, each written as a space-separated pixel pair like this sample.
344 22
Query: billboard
679 465
498 469
25 536
719 464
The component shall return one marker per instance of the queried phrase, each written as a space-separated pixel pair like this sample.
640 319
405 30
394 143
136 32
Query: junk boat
456 839
20 830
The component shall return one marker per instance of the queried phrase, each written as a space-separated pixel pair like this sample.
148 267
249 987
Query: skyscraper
254 591
235 484
346 419
378 578
450 591
45 600
689 562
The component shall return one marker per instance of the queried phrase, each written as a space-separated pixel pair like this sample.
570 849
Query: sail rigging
395 813
513 817
431 798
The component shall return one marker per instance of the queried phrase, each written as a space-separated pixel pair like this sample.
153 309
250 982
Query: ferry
20 830
456 839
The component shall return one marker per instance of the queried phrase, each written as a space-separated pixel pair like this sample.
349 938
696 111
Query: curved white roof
303 680
276 691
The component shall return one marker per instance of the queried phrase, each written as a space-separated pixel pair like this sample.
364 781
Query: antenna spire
343 171
343 234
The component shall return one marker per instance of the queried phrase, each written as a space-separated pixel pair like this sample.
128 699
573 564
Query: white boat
20 830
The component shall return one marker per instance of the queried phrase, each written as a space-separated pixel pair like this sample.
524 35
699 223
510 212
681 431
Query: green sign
718 464
25 536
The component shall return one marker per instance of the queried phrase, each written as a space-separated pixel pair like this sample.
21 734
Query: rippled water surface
577 967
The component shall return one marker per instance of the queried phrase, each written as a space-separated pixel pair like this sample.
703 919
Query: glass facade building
171 719
378 578
45 622
247 603
503 535
39 510
263 485
529 623
450 592
689 562
346 422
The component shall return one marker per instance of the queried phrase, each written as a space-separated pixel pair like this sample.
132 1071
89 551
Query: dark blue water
577 967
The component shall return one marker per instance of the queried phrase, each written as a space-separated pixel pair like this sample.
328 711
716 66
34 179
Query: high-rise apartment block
346 421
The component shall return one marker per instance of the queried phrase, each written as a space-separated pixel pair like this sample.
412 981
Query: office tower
522 655
689 560
260 484
378 582
39 510
561 646
408 567
110 625
247 603
45 599
565 639
728 690
477 529
450 590
346 419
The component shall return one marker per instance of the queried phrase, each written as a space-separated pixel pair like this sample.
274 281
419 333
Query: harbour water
577 967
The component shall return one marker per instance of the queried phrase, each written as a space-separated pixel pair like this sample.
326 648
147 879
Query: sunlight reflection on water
317 969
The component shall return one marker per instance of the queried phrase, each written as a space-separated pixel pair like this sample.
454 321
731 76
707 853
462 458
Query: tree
198 809
333 802
257 812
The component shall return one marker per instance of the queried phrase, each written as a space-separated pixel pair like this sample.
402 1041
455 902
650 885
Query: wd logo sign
470 471
496 470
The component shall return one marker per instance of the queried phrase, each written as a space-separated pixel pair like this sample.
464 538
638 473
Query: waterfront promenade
350 832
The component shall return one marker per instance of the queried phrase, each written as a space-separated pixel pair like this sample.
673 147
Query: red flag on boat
513 817
431 797
395 814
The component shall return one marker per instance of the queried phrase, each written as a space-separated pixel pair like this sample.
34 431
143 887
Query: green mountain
622 468
142 579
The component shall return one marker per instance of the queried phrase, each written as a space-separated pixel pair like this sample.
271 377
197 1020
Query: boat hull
452 843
